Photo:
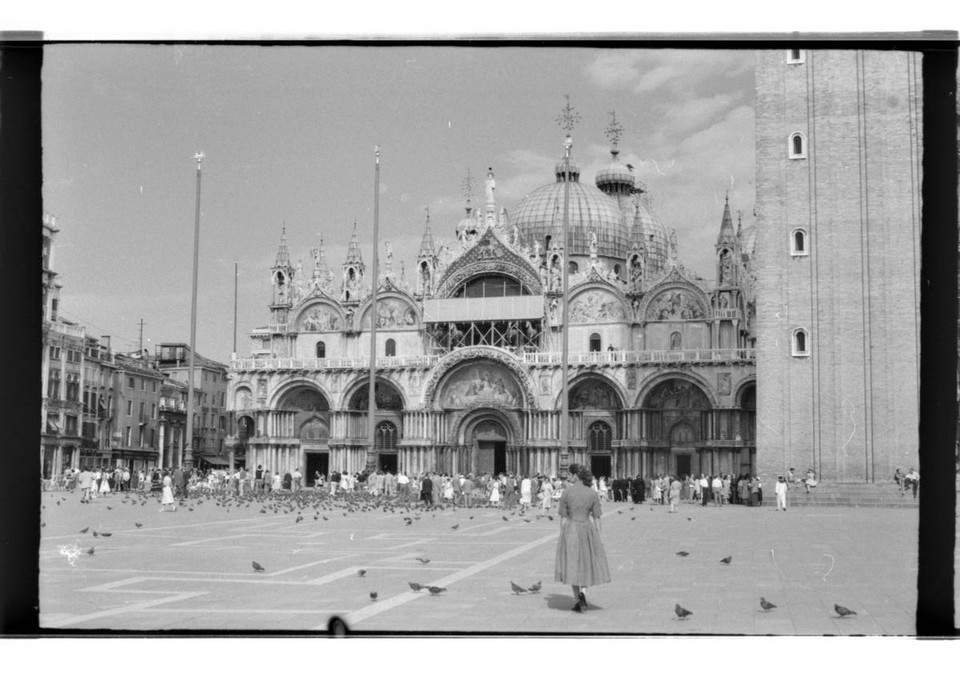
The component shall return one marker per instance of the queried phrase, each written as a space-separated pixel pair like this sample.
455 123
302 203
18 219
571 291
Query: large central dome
540 214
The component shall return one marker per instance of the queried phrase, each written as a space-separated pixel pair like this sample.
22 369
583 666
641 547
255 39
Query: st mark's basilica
662 365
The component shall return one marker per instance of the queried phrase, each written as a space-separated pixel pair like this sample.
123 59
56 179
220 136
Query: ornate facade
662 371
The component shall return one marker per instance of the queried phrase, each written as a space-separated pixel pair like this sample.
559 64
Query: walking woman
581 559
167 498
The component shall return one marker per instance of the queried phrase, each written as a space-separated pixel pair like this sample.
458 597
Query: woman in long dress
495 493
581 560
105 484
546 494
525 491
167 494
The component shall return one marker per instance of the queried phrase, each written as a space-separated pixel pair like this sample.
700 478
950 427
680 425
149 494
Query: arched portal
389 407
311 424
676 422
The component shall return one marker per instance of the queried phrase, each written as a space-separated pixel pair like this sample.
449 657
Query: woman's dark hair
582 472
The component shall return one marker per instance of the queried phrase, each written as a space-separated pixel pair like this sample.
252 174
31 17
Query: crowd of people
504 491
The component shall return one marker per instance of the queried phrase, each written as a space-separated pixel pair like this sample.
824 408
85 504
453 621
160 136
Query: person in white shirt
297 476
781 490
703 490
717 487
402 484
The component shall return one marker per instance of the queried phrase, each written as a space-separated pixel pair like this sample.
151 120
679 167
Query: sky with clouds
289 133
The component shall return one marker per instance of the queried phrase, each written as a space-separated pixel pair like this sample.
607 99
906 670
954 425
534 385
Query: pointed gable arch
489 256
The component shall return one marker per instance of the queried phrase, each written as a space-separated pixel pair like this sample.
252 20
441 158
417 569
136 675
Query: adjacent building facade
468 365
838 136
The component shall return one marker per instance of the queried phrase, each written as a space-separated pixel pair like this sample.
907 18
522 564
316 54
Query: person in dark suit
426 490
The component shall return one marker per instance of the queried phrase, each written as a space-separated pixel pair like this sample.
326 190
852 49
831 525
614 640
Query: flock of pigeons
323 505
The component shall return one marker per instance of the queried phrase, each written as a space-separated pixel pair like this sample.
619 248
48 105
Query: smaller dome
615 177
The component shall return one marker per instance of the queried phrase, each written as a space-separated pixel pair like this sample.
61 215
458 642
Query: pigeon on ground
683 553
843 611
109 508
535 588
423 560
83 531
471 516
90 552
95 534
689 519
505 519
767 606
137 524
373 595
104 533
436 590
727 559
633 519
257 567
681 612
455 527
415 587
550 517
362 573
517 589
528 520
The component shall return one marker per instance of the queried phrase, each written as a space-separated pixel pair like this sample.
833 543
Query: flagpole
191 401
372 402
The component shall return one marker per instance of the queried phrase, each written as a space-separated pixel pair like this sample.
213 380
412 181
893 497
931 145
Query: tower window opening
800 343
798 145
798 242
795 57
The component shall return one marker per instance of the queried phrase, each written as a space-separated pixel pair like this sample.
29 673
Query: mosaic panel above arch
303 398
594 394
676 304
472 356
318 318
387 397
596 305
677 393
392 312
481 382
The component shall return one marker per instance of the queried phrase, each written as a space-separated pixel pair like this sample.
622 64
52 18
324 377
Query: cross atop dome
568 118
614 131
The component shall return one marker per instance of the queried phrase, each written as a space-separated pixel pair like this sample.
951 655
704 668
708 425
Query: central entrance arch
682 451
490 446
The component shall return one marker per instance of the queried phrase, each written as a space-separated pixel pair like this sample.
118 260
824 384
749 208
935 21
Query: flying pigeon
683 553
727 559
517 589
90 552
843 611
257 567
681 612
767 606
373 595
415 587
535 588
361 573
423 560
436 590
83 531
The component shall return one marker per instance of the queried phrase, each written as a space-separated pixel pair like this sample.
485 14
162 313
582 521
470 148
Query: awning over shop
142 454
213 460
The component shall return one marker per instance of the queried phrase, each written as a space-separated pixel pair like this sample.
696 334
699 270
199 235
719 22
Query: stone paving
192 570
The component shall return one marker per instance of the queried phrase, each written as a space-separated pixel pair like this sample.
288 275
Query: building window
386 436
798 242
573 267
131 383
321 350
797 146
391 348
599 436
153 411
143 385
796 56
129 408
54 352
801 343
129 429
595 342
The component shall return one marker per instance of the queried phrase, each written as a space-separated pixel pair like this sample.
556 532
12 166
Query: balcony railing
726 314
66 329
654 356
